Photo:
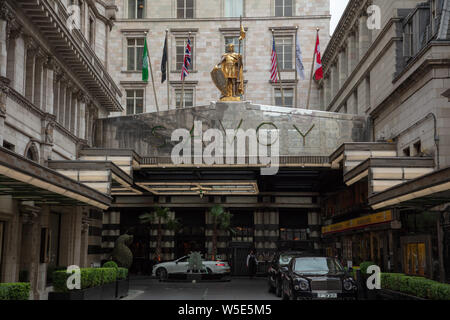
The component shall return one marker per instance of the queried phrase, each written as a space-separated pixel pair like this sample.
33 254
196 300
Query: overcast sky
337 9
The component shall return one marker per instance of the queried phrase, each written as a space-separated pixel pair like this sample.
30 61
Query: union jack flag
274 68
187 61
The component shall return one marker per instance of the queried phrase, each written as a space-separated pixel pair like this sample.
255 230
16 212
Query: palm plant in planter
221 220
160 216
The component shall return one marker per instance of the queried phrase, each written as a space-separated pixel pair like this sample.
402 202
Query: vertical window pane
130 106
140 9
139 105
131 60
234 8
288 8
131 9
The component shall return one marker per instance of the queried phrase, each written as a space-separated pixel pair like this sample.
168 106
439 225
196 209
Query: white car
162 270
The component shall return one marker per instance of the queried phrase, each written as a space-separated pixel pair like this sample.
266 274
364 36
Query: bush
109 275
122 273
90 278
416 286
110 264
14 291
364 265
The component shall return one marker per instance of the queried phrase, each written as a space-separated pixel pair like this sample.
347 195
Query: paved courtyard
236 289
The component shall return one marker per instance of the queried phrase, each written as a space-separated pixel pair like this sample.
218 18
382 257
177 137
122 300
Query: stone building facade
54 84
212 24
390 61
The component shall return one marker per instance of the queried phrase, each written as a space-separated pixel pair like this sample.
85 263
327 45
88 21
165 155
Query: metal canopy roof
29 181
425 192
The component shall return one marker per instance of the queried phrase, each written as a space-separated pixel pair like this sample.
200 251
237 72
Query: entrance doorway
239 253
191 237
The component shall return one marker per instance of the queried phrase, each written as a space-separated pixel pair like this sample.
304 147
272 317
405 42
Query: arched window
31 152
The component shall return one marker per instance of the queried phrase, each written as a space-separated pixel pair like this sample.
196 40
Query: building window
135 54
234 40
185 9
135 101
417 149
408 40
32 152
8 146
288 97
283 8
181 49
188 100
234 8
284 47
136 9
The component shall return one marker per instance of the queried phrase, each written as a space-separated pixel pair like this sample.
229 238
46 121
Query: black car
311 277
279 264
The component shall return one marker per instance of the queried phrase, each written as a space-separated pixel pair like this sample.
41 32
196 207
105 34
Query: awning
359 223
27 180
427 191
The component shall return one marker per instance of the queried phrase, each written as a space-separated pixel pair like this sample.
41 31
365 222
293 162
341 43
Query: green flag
145 63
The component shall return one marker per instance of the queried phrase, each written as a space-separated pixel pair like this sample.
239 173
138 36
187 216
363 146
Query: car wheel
161 273
271 288
278 288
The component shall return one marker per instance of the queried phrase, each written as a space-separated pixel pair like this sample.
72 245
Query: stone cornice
346 25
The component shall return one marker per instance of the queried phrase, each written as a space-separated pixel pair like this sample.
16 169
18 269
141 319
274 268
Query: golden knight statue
228 75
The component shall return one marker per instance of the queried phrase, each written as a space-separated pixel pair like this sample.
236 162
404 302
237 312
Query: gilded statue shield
219 79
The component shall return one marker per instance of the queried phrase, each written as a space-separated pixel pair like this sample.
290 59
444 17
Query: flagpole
278 69
312 71
168 70
151 72
296 71
183 76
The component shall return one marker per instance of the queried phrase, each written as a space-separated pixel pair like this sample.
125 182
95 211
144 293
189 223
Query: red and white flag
318 69
274 64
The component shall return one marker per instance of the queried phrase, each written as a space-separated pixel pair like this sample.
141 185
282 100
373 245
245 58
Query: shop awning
359 223
427 191
27 180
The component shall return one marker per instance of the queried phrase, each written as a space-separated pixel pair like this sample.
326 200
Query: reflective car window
318 266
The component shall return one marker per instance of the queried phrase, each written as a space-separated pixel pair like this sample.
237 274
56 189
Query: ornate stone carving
49 132
4 90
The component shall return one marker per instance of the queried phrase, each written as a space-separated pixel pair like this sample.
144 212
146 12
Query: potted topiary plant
195 264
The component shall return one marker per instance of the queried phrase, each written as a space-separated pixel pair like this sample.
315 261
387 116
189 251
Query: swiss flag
318 70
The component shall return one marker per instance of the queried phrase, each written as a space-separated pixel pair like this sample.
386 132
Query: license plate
327 295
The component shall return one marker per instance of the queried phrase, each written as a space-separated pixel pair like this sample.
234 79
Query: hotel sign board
377 218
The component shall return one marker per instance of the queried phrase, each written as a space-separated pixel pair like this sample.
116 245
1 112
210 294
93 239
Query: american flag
274 68
187 61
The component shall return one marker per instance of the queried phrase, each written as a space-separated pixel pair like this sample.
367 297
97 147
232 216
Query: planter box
108 291
85 294
122 287
385 294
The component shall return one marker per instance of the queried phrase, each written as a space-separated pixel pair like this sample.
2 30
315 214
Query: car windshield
285 259
317 266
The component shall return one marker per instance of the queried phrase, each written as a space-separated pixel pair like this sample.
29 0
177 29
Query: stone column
363 35
62 100
4 17
49 92
30 245
39 81
3 97
82 116
71 237
351 53
314 228
68 106
16 58
84 242
334 81
343 67
30 68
